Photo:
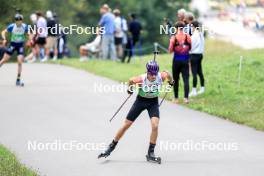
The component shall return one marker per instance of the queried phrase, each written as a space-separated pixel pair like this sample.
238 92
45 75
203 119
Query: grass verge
241 103
10 166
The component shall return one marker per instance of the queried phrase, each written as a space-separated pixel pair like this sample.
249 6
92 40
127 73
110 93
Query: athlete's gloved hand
171 83
130 92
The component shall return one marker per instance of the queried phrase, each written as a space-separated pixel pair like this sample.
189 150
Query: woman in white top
196 56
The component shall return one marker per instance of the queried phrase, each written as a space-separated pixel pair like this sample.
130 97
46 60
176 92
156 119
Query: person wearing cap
19 32
120 33
147 99
107 22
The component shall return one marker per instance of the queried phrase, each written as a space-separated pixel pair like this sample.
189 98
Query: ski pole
163 98
155 54
120 107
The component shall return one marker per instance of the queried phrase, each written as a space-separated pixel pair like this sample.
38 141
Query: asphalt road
59 105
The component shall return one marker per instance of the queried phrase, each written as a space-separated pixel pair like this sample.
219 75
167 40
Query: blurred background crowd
135 25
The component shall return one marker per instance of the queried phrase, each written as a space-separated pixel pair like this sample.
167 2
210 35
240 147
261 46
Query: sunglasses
18 19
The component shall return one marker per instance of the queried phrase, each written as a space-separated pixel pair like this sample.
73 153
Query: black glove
130 91
171 83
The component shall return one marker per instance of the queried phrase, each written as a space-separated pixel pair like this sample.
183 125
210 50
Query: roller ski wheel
153 159
19 83
103 155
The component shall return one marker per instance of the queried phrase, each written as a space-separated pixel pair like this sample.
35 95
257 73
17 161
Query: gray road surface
59 104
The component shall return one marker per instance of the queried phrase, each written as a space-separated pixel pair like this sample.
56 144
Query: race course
59 103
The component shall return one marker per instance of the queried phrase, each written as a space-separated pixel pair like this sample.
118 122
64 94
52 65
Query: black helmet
18 17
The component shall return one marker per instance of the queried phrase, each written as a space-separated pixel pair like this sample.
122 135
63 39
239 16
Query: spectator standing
196 56
120 33
180 45
52 38
135 29
107 21
41 35
62 38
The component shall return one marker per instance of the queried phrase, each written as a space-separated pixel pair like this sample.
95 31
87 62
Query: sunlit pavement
59 105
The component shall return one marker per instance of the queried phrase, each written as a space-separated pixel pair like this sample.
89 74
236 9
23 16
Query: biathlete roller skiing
149 85
19 32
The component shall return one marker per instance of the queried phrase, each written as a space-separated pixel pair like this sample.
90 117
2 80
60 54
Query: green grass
10 166
224 97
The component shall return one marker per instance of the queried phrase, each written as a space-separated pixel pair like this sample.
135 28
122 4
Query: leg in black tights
185 77
176 75
194 66
200 70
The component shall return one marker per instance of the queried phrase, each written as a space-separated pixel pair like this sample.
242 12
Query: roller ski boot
19 83
151 156
109 150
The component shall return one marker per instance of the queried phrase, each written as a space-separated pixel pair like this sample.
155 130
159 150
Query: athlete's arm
172 44
167 76
133 81
189 40
130 86
30 38
30 41
3 34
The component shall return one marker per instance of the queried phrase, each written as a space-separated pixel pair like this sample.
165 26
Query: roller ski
108 151
19 83
151 156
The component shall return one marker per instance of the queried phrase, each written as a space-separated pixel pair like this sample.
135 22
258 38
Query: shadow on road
122 161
